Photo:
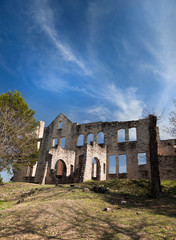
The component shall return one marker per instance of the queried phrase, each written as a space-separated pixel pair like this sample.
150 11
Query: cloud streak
114 105
44 17
161 20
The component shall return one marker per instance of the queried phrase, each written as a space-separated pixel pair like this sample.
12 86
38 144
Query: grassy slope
65 212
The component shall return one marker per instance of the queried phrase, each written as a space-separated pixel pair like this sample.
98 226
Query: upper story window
121 135
90 138
100 138
60 125
62 142
132 134
80 141
54 142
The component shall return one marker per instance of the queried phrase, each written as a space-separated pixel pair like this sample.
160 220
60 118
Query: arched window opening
60 125
80 141
61 169
100 138
122 163
121 135
104 168
90 138
132 134
95 169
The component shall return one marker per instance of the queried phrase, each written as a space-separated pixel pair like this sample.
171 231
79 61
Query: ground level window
112 164
95 169
142 158
122 163
71 169
104 168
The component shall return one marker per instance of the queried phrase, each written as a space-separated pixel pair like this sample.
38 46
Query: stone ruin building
72 152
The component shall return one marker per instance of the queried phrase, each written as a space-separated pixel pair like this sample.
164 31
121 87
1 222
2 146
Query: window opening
95 169
54 142
104 168
122 163
121 135
71 169
142 158
38 145
60 169
100 138
112 164
63 142
132 134
60 125
80 141
90 138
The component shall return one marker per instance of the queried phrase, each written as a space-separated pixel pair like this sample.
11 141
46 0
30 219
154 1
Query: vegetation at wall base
31 211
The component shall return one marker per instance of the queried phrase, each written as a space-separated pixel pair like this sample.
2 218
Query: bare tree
172 120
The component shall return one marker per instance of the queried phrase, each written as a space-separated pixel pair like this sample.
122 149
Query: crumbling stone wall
167 158
60 141
72 154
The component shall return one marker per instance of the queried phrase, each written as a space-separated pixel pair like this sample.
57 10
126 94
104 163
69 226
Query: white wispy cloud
111 102
128 104
114 105
44 17
161 19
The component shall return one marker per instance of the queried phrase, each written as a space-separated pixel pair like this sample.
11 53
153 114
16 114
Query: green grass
64 212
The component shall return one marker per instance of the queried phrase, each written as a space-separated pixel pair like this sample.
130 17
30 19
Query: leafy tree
17 132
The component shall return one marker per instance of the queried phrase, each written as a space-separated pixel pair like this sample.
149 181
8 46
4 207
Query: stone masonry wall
61 141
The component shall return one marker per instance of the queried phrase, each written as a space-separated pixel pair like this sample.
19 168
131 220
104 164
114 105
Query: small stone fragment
86 190
20 201
107 209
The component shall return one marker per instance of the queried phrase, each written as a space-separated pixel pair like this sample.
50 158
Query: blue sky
93 60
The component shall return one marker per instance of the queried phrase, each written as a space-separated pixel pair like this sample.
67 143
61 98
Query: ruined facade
71 152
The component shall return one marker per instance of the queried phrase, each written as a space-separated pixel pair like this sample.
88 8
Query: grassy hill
30 211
